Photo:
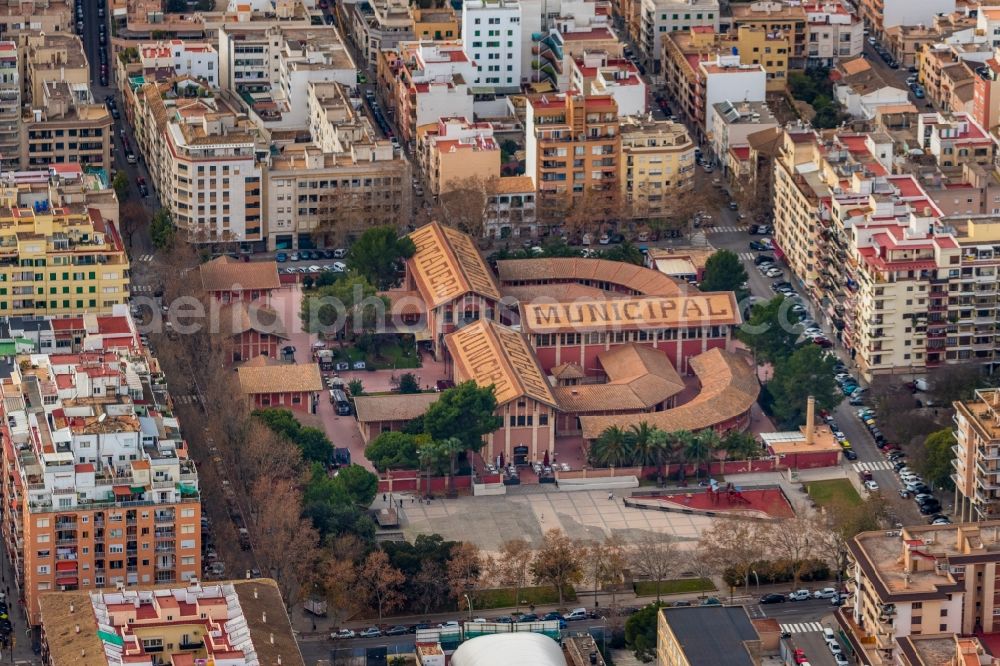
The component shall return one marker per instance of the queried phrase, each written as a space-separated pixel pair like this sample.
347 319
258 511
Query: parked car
772 599
825 593
342 634
397 630
850 454
799 595
871 486
576 614
370 632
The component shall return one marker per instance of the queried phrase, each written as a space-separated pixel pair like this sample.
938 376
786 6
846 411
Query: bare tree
465 203
513 566
430 592
337 580
465 570
378 583
796 540
133 217
276 521
559 562
736 543
654 556
608 561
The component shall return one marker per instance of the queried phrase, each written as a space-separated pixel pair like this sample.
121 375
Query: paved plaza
527 513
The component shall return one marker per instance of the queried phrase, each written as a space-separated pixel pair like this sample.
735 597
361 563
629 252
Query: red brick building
250 331
450 277
266 382
227 280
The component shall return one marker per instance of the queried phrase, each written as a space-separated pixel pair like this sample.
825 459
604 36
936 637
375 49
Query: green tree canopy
625 252
313 442
162 230
378 255
935 463
465 412
725 272
350 304
808 371
359 484
395 450
771 331
640 631
408 383
120 183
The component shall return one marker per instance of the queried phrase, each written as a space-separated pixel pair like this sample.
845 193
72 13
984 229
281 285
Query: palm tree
679 442
701 447
740 445
649 446
613 447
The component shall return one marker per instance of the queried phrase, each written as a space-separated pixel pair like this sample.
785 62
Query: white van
829 636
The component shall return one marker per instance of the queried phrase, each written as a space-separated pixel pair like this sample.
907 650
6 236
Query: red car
800 656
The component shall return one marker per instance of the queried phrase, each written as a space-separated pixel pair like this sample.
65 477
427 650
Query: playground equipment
730 495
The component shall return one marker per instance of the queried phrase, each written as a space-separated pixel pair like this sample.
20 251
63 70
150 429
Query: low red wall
410 481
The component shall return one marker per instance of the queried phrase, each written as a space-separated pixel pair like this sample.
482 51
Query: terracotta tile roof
560 291
639 377
631 313
447 265
257 378
854 66
240 317
636 278
489 353
568 371
395 407
228 274
729 387
515 185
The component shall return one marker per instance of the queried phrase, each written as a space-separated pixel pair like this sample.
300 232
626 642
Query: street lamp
468 602
757 578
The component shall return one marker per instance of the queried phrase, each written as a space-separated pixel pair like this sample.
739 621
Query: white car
339 253
871 486
839 435
835 648
773 273
576 614
799 595
825 593
314 269
339 266
840 659
342 634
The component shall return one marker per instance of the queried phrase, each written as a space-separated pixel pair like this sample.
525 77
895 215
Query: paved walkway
587 515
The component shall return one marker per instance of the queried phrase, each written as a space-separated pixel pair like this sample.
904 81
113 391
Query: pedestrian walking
383 497
611 496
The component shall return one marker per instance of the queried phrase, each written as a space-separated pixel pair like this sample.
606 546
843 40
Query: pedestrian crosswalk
722 230
872 466
141 288
146 258
802 627
747 256
185 399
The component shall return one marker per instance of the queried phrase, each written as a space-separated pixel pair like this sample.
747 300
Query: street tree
640 631
465 204
429 593
725 272
512 567
654 556
395 450
809 369
795 540
844 520
379 583
120 183
133 217
770 333
465 568
162 230
935 463
559 562
378 255
607 561
733 543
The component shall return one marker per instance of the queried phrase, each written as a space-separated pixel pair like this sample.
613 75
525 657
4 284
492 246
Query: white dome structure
522 648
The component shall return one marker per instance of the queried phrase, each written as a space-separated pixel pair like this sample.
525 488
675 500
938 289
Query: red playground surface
728 498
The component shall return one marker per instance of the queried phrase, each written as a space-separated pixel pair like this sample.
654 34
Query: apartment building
986 94
699 73
906 43
773 17
102 491
199 60
862 91
682 639
834 31
510 209
201 150
66 125
733 125
955 139
52 57
434 24
491 32
269 67
380 24
424 81
573 152
58 254
662 17
10 107
456 152
579 27
596 73
332 189
48 16
224 622
879 15
977 456
658 166
917 581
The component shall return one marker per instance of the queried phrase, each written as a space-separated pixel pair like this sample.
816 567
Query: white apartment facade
491 33
727 80
659 17
596 73
834 32
198 60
